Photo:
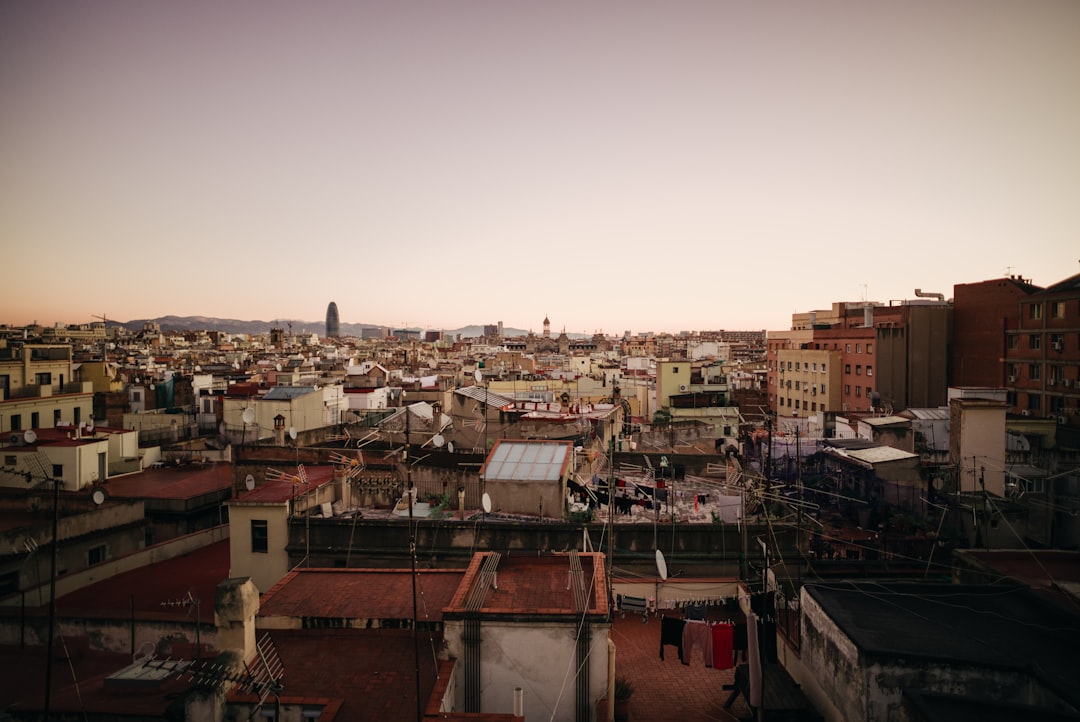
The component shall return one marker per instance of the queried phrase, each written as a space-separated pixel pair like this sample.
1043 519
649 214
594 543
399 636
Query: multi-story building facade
38 390
886 357
1042 352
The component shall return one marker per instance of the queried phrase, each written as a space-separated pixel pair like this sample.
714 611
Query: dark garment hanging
695 610
763 605
767 635
671 629
739 642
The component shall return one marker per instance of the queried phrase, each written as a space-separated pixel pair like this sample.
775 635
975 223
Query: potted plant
624 690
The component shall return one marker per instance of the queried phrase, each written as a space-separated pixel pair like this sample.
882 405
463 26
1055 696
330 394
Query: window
798 364
823 389
869 370
136 396
822 368
96 555
847 389
1035 311
35 420
1058 309
815 366
1033 486
78 415
11 460
796 385
1014 342
796 404
1034 341
858 390
858 348
1034 402
260 536
847 368
16 422
858 369
847 348
56 417
43 379
58 471
813 405
869 348
1034 372
674 369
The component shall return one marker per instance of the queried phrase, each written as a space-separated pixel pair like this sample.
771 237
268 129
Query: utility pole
412 562
611 514
798 508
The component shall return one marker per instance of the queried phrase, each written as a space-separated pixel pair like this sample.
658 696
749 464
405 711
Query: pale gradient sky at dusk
666 166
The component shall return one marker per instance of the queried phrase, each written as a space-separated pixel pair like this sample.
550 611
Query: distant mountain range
297 327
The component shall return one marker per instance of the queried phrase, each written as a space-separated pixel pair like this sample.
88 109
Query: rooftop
354 594
172 482
528 584
145 588
999 626
282 490
528 460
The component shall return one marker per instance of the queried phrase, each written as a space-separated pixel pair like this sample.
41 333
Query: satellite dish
248 416
938 483
99 496
438 441
485 501
450 446
661 564
479 376
30 436
249 482
292 433
277 367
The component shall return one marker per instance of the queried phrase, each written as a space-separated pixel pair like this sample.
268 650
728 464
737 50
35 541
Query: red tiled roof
361 594
534 585
172 482
276 492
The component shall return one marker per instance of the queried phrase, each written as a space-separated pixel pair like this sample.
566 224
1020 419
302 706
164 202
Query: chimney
868 316
235 605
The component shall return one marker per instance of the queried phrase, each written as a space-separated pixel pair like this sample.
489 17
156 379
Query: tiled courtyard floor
669 690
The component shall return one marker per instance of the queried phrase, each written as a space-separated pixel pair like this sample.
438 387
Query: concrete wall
539 657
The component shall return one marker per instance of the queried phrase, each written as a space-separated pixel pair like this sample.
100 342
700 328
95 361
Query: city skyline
614 166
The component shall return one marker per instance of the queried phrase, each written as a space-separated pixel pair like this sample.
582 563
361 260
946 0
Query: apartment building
1042 353
891 356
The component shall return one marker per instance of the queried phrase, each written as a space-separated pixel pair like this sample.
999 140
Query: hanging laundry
697 634
671 632
722 646
754 653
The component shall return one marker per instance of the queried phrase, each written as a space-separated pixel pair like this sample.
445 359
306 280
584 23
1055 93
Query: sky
614 166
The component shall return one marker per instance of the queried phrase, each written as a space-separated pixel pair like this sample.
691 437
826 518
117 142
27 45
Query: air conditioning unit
1066 383
682 387
1025 412
1012 379
1062 419
1057 345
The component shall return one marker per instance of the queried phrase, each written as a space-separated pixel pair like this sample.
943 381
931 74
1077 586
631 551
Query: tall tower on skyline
333 321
